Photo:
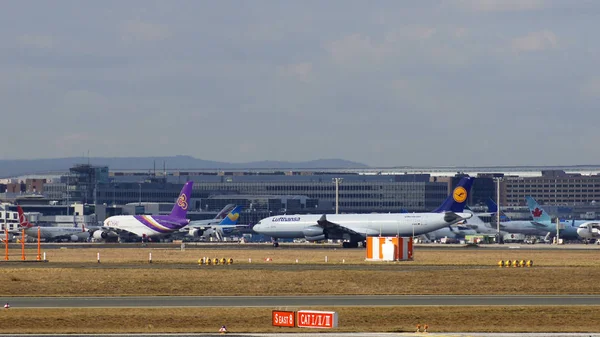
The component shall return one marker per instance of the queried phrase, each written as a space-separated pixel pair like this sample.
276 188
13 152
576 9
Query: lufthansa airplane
147 226
356 227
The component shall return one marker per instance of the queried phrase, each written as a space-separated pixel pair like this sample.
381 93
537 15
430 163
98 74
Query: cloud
302 72
411 33
135 30
591 88
536 41
500 5
355 48
36 41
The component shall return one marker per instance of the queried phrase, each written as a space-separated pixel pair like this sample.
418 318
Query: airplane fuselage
589 230
402 224
523 227
145 225
48 233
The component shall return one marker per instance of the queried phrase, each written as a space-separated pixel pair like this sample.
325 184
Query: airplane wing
338 230
539 225
201 223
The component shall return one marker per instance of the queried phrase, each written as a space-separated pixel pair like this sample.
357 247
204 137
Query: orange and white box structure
389 248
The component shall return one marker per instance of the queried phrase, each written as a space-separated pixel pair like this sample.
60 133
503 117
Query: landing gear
350 244
275 243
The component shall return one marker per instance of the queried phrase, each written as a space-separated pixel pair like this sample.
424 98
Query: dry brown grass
221 281
74 272
389 319
469 257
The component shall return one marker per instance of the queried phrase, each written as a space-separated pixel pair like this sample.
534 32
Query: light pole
337 182
498 180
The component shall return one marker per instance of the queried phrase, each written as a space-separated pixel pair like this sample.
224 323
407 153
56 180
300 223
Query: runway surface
295 301
288 246
332 334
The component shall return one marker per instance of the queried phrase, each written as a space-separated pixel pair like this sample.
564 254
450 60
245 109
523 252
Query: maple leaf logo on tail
537 212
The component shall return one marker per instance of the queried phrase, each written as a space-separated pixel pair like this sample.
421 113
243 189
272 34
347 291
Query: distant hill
12 168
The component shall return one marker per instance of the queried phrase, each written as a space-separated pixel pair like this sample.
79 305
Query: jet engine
195 232
314 233
100 235
74 238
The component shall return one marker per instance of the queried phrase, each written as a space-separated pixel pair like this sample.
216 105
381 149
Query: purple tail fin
183 202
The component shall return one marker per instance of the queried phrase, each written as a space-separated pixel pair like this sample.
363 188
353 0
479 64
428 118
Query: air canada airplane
356 227
147 226
542 219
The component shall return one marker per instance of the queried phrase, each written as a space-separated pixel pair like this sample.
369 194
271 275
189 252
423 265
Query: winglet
183 202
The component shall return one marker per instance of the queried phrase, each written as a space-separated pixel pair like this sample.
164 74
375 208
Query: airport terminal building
265 193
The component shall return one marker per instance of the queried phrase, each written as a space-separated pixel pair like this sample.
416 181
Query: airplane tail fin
226 210
493 208
183 202
537 212
491 205
22 219
232 217
458 199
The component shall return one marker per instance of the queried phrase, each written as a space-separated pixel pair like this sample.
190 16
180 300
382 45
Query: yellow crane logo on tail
459 194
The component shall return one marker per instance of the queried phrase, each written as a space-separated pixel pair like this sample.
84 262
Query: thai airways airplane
52 233
356 227
146 226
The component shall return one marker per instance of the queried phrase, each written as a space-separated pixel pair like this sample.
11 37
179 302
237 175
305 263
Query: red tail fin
22 219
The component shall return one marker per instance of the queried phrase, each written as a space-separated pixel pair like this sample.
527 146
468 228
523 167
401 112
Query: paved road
296 301
288 246
332 334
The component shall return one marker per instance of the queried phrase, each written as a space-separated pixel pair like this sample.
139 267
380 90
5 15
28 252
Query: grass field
73 272
127 272
389 319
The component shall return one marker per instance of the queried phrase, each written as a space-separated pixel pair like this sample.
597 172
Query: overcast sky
513 82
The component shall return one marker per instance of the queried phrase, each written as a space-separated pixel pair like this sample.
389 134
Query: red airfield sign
317 319
283 318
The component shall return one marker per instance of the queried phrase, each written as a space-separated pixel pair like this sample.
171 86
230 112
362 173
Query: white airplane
452 232
147 226
225 221
52 233
589 230
356 227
